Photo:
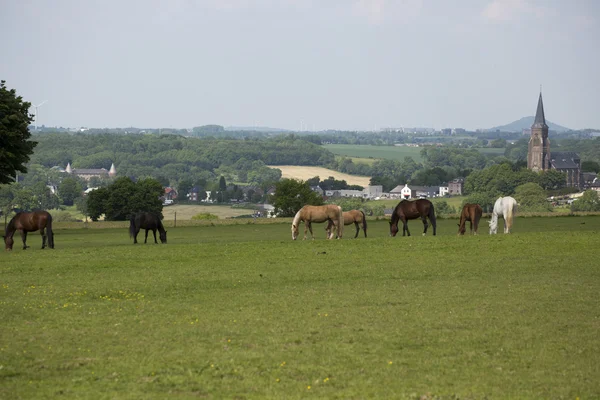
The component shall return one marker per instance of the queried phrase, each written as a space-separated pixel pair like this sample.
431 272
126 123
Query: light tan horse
310 214
355 217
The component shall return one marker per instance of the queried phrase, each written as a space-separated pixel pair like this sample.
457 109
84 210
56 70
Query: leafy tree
291 195
222 184
590 166
69 189
589 201
552 179
82 207
531 197
443 208
485 199
498 143
15 148
124 198
24 199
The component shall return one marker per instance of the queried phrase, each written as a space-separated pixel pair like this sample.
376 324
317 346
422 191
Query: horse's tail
49 232
364 222
132 226
431 217
340 222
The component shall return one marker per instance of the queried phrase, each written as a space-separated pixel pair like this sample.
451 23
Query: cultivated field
187 211
305 172
242 311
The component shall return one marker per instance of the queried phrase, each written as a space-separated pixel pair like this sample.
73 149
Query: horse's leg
425 225
357 229
154 233
305 229
24 238
405 230
146 238
311 232
135 235
43 233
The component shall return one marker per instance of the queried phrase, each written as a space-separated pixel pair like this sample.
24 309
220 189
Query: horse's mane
297 218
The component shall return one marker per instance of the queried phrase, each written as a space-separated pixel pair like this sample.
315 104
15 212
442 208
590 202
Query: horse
471 213
405 210
29 222
310 214
355 217
505 207
149 222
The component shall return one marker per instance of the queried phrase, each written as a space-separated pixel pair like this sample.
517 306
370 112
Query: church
539 157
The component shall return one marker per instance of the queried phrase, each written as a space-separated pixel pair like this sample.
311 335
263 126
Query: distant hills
525 123
255 128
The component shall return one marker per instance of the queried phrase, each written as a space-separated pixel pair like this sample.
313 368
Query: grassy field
242 311
382 152
306 172
187 211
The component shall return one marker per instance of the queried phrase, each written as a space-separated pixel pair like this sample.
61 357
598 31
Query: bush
204 216
63 216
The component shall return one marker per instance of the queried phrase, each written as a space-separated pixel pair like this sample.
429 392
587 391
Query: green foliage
124 198
531 197
453 157
291 195
589 201
204 216
15 146
590 166
498 180
485 199
69 189
443 208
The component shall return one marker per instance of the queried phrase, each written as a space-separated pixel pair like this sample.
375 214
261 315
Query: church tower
538 154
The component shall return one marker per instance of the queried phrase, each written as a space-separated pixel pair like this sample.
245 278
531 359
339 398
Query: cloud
507 10
378 11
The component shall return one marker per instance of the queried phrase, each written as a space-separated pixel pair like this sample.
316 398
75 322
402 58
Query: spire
68 170
540 118
113 170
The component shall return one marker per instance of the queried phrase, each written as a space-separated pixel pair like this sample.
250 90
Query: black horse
30 222
406 210
149 222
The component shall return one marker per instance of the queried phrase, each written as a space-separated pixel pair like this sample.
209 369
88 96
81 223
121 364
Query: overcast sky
325 64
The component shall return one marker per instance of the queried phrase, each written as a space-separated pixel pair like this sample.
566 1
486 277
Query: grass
397 153
241 311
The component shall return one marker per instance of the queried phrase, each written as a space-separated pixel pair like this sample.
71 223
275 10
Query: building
88 173
455 187
539 157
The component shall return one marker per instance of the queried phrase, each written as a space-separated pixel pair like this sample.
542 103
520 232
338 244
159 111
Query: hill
525 123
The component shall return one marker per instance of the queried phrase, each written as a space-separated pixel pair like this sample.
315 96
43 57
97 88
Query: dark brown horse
149 222
406 210
356 217
471 213
30 222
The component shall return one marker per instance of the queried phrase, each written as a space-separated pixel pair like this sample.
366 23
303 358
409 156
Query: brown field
304 173
187 211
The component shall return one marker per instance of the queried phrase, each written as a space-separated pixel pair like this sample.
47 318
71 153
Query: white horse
505 207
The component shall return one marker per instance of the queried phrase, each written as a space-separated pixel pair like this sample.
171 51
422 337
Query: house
170 193
89 173
443 191
455 187
570 163
317 189
588 178
422 192
351 193
193 194
596 186
373 192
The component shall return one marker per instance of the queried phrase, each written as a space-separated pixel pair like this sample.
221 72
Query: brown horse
149 222
406 210
29 222
355 217
310 214
471 213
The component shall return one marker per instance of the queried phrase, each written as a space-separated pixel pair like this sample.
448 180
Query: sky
303 64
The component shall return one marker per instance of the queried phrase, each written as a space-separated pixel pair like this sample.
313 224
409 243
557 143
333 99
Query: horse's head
163 236
493 226
393 228
8 243
294 231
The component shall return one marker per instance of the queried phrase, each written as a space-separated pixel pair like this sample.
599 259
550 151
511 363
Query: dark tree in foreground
291 195
15 148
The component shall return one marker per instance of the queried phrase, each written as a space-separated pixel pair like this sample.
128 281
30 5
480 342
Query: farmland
307 172
241 311
390 152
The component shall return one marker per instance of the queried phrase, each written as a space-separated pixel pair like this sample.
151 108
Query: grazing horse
355 217
30 222
310 214
505 207
149 222
471 213
406 210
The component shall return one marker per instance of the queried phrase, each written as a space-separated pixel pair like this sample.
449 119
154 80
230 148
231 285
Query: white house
406 192
443 190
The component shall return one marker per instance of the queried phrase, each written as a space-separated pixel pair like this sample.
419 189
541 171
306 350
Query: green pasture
242 311
380 152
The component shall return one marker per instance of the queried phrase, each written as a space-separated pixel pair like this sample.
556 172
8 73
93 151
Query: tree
124 198
531 197
15 148
291 195
222 184
82 207
590 166
589 201
68 190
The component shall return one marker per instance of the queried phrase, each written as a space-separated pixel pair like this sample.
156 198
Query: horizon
303 64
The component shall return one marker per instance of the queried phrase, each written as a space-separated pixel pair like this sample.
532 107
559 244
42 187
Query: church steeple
538 154
540 118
